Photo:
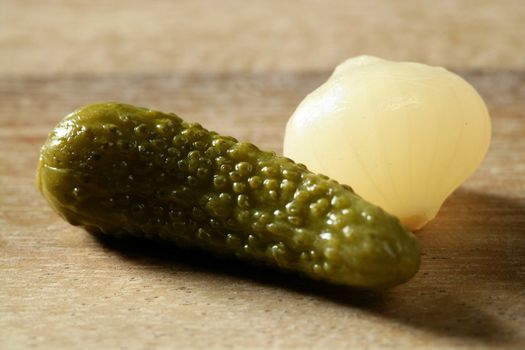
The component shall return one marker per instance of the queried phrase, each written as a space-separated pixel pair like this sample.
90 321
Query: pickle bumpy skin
119 169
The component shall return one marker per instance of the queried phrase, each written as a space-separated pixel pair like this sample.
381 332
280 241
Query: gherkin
119 169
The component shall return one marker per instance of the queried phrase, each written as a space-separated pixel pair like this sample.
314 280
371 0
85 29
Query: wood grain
130 36
62 288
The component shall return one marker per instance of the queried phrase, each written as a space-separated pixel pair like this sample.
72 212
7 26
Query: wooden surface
165 36
62 288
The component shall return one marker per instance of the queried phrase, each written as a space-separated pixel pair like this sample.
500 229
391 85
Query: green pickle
119 169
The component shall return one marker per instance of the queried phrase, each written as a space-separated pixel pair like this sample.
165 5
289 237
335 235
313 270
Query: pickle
124 170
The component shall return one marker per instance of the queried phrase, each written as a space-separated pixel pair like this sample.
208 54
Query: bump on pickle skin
121 169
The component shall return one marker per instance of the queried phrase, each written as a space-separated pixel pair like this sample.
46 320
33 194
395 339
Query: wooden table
63 288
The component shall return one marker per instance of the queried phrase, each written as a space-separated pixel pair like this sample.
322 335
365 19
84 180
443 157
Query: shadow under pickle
439 299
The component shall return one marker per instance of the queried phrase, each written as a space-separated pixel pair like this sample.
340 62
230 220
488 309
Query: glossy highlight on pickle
119 169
